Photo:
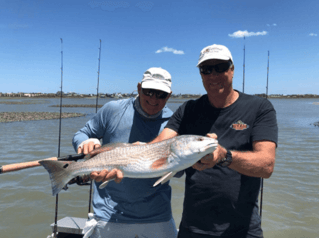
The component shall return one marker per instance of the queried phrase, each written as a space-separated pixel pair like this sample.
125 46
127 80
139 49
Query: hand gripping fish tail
162 159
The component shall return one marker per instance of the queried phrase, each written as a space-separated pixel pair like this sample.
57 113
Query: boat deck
70 227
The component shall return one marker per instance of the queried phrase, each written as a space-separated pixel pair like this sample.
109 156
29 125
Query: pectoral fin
159 163
164 178
103 185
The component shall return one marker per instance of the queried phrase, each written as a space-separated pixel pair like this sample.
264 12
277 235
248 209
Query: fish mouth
209 146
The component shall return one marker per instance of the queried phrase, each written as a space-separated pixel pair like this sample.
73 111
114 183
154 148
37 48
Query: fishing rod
262 179
25 165
244 68
98 78
267 76
57 196
97 99
75 157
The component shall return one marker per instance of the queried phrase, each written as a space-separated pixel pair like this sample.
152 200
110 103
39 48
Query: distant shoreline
171 98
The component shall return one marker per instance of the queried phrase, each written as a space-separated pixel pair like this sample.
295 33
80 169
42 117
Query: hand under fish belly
162 159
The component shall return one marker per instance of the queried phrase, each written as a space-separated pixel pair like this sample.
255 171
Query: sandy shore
32 116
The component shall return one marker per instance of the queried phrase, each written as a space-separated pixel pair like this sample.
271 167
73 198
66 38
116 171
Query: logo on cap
209 50
159 76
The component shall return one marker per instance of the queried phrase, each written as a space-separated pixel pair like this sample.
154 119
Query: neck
140 110
223 100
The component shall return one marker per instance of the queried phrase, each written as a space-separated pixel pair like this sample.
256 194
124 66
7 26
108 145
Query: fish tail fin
59 176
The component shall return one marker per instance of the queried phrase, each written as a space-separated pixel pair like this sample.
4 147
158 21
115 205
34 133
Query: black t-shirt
220 201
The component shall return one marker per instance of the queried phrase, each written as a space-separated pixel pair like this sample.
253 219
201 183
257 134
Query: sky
136 35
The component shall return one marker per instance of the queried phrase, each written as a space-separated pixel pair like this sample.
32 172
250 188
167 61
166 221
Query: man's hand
88 147
105 175
210 160
114 174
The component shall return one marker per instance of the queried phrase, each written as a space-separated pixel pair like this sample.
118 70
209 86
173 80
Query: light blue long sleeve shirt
132 200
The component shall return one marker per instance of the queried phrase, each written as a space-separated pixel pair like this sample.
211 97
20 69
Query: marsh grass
24 102
33 116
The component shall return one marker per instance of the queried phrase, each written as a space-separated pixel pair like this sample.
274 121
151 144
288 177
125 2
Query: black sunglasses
219 68
157 93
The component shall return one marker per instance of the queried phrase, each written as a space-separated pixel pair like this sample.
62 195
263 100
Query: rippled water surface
290 203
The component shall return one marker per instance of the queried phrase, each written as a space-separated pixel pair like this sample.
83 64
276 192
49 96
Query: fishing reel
79 180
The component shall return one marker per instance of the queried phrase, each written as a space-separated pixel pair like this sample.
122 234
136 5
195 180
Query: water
290 204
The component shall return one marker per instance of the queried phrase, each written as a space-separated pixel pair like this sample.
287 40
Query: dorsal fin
104 148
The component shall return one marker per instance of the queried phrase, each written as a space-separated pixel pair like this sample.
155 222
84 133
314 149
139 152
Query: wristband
227 160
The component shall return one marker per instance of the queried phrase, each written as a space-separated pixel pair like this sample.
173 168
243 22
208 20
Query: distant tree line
126 95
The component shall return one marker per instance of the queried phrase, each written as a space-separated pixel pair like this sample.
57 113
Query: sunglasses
219 68
157 93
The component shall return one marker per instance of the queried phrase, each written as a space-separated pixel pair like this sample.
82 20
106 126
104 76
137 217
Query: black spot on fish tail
59 175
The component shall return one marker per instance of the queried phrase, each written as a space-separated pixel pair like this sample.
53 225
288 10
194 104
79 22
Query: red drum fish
162 159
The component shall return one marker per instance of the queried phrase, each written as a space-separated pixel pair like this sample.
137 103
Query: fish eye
65 166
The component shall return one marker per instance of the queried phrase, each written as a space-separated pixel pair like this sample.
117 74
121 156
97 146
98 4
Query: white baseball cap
157 78
214 52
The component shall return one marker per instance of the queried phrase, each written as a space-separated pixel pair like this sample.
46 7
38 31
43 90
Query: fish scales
135 161
138 158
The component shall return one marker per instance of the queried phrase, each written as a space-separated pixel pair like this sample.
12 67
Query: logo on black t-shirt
239 125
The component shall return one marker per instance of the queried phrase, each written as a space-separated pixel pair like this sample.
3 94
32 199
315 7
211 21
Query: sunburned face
217 83
151 104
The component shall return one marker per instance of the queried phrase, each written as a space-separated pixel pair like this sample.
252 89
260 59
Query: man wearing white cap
221 190
133 208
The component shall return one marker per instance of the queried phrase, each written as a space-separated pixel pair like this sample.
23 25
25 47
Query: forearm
253 163
92 129
256 163
165 135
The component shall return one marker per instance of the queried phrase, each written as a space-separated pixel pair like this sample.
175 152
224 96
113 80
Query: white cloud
312 34
241 34
166 49
274 24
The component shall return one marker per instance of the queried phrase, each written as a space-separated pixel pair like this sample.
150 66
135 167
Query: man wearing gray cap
221 190
133 208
